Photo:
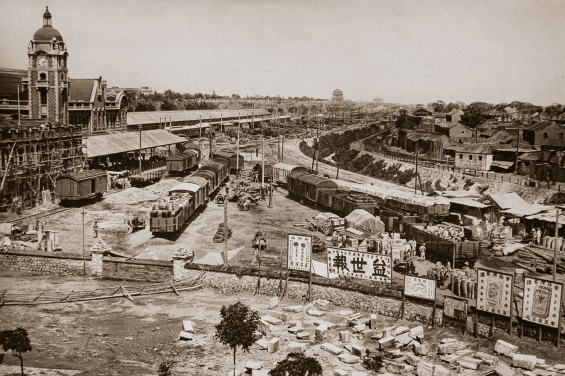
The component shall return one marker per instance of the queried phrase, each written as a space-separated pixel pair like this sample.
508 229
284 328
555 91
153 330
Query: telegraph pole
200 136
555 244
337 174
19 116
140 129
317 144
237 157
226 232
416 178
83 249
517 148
210 134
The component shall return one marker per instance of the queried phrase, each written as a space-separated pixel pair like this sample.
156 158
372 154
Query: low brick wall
137 270
45 263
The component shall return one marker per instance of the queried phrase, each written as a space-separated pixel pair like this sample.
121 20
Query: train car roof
178 157
196 180
182 187
316 180
85 175
288 167
223 154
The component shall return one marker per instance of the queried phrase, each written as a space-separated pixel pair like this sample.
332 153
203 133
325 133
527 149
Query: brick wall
137 270
44 263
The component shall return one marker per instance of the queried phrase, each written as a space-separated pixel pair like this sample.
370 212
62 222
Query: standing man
423 252
95 228
538 236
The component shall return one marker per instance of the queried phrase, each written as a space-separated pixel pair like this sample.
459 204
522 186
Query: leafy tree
297 365
16 341
145 106
237 327
168 105
372 362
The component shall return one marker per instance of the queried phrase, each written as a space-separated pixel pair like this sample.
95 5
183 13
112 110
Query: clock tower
48 75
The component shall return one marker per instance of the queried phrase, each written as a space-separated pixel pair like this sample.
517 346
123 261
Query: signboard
542 301
455 308
299 251
494 292
359 264
418 287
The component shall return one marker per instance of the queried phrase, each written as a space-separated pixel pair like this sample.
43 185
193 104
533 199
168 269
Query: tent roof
116 143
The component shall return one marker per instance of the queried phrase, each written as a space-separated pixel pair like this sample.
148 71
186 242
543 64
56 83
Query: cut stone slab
296 347
501 370
321 333
559 367
237 372
271 320
345 312
505 348
274 345
359 373
321 302
464 352
340 372
394 367
303 335
185 336
417 331
404 338
450 359
451 347
395 354
273 302
345 336
278 315
540 361
440 371
359 328
422 349
188 326
253 365
295 309
315 312
412 359
425 369
260 372
264 327
469 363
308 307
262 343
401 329
357 350
389 331
377 336
330 325
387 343
348 358
348 348
543 366
295 329
373 323
332 349
491 360
524 361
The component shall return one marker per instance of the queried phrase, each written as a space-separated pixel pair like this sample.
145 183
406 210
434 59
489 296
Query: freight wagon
232 159
309 186
281 171
181 163
169 216
81 186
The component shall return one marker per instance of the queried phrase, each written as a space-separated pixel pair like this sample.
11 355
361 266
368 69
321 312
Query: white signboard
494 292
359 264
542 300
418 287
299 251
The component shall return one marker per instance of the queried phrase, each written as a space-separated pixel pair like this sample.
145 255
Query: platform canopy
108 144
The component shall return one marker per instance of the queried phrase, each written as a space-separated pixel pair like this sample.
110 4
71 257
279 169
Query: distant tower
337 95
48 74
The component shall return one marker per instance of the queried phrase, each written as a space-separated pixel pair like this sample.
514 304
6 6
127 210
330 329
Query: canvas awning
502 164
108 144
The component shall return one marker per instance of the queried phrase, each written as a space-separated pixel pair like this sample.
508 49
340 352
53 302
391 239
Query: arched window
43 76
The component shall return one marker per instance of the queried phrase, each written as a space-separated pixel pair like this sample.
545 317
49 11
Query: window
545 135
43 97
470 157
460 156
43 76
480 157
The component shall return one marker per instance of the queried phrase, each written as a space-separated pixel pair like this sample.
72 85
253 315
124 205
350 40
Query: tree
16 341
237 327
145 106
297 365
168 105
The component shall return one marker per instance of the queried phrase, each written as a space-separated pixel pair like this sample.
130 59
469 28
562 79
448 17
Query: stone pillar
180 258
96 263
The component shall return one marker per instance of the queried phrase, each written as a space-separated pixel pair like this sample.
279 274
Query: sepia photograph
282 187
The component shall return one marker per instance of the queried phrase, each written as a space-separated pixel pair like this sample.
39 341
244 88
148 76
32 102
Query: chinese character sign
418 287
494 291
542 300
359 264
299 251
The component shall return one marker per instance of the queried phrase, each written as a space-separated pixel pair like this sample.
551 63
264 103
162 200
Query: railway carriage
81 186
281 171
309 186
232 159
204 184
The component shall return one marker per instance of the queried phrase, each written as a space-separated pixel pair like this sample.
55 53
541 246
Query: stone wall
45 263
137 270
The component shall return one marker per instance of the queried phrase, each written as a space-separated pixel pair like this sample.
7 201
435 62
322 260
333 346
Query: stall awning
97 146
502 164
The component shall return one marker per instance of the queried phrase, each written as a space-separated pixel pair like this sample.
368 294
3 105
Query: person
423 251
534 235
407 251
538 236
95 228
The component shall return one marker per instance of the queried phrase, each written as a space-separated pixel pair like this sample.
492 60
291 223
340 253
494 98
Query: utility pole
317 144
262 162
416 178
226 232
337 174
237 153
210 129
83 249
19 116
517 148
140 129
200 136
555 244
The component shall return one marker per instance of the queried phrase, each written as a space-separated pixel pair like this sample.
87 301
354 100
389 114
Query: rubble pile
131 196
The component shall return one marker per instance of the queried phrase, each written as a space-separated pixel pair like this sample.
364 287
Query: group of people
536 235
440 272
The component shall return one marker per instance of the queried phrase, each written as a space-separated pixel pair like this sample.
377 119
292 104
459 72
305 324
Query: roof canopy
85 175
98 146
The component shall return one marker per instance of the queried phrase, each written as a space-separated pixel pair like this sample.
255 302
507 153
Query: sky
398 50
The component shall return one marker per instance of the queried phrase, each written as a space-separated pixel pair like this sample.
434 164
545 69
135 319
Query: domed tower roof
47 32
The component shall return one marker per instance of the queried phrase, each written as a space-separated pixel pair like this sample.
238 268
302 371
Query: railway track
40 215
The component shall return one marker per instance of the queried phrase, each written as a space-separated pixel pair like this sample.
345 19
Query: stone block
451 347
412 359
359 328
440 371
357 350
308 307
469 362
348 347
501 370
330 325
321 333
394 367
425 369
260 372
274 345
271 320
345 336
273 302
464 352
404 339
278 315
543 366
448 340
422 349
377 336
321 303
389 331
340 372
348 358
528 373
303 335
264 327
332 349
295 309
296 347
295 329
292 323
401 329
417 331
262 343
387 343
449 359
559 367
540 361
505 348
524 361
185 336
315 312
249 365
237 372
359 373
345 312
188 326
373 324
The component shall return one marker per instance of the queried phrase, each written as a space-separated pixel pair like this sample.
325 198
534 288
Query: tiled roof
475 148
81 89
78 176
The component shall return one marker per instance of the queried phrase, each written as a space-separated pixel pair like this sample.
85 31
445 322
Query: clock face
42 62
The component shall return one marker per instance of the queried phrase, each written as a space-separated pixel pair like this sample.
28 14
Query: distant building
474 156
454 132
454 116
12 80
378 100
337 95
545 134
